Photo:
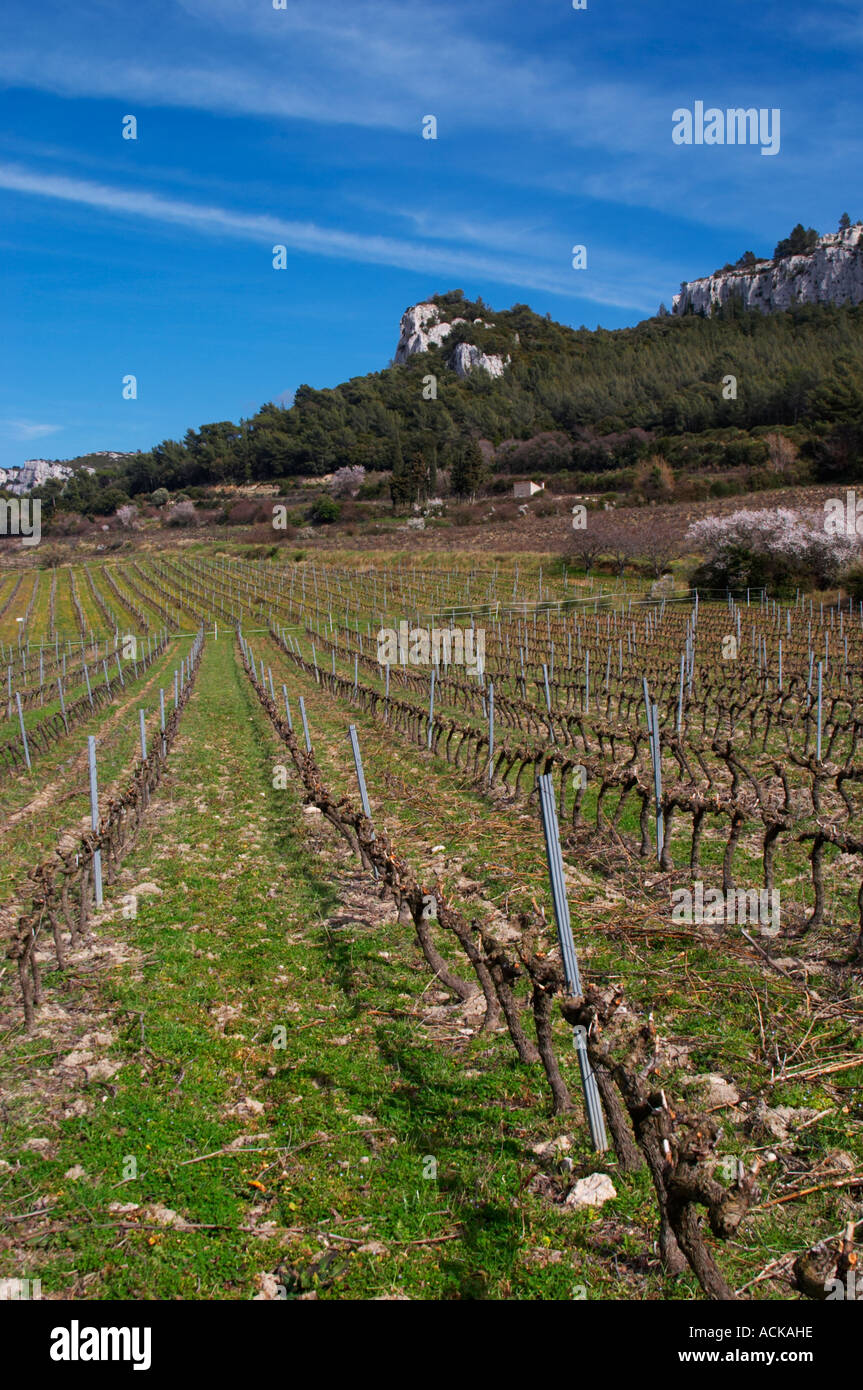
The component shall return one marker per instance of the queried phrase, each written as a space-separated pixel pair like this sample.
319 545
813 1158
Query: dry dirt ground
553 534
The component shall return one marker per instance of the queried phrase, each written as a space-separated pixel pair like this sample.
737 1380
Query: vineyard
394 930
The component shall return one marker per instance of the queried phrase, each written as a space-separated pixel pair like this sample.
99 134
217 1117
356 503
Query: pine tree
468 470
418 478
458 474
432 476
801 241
400 483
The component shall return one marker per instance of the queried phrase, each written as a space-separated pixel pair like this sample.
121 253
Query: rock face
34 473
466 357
422 327
832 273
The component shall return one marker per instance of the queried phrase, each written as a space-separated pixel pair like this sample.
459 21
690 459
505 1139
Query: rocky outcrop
832 273
34 473
466 357
422 327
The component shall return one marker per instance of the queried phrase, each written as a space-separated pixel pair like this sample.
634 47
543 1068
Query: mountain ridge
702 390
830 273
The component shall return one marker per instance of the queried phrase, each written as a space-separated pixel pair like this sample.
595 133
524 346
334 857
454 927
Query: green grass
699 992
248 892
265 923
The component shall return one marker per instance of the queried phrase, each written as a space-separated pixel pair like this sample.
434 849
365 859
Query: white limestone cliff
34 473
422 327
832 273
466 357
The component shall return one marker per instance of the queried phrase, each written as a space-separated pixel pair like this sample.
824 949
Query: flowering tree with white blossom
348 481
771 547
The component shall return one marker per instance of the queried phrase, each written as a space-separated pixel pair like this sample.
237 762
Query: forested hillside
581 400
665 375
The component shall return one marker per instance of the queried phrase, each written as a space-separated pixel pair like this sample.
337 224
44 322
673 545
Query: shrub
182 514
375 487
67 523
546 452
350 511
107 501
654 479
243 513
325 511
781 451
160 497
852 580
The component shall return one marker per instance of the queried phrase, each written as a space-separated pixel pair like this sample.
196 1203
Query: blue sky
303 126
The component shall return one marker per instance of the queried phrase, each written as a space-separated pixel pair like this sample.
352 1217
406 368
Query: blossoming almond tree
769 545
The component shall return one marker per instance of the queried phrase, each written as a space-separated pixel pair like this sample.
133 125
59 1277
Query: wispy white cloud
310 238
365 63
561 117
28 429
